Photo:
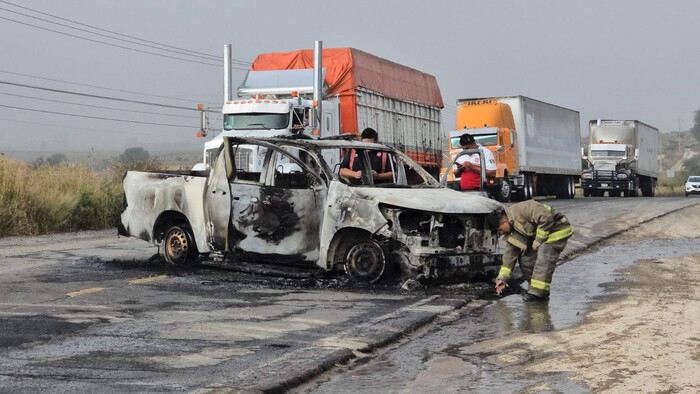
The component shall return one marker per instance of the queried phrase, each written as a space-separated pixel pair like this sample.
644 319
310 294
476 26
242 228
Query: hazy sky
627 59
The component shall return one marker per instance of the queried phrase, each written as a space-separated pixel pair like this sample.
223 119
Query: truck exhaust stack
228 87
318 86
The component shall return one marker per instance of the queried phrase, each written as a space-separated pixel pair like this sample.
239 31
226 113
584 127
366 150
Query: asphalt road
92 312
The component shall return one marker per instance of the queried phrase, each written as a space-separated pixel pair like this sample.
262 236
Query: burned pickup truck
288 204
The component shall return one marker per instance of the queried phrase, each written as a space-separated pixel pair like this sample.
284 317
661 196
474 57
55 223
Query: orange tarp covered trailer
350 73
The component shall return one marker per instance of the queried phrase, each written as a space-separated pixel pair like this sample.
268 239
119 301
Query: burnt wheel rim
365 262
505 189
176 247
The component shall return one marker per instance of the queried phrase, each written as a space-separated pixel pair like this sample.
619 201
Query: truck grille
604 175
243 159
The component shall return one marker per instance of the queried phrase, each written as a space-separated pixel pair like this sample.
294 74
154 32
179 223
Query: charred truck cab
297 209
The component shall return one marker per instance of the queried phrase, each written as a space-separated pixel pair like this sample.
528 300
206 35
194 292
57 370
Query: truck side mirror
512 138
203 122
583 154
636 154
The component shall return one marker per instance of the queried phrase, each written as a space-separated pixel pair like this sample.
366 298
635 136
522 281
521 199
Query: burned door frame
272 222
217 199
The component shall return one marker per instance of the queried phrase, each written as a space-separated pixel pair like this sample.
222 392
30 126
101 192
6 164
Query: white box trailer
549 136
537 145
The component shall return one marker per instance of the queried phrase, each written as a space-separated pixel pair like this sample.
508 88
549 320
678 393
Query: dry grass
67 197
671 186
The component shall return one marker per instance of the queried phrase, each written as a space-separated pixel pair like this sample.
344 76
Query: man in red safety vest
351 166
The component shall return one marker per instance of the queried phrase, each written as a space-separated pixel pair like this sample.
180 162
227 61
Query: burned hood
440 200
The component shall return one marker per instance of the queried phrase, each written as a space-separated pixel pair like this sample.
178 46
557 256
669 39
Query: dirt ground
645 340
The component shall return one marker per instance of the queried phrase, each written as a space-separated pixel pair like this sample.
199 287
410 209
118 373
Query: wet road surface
90 312
447 358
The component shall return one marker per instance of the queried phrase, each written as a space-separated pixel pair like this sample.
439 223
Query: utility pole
679 134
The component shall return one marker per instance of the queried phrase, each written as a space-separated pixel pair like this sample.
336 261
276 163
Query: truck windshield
485 140
613 153
256 121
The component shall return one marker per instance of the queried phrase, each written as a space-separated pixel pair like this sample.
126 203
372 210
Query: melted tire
365 262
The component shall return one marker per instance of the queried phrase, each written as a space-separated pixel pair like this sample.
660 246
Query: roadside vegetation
49 196
53 195
680 152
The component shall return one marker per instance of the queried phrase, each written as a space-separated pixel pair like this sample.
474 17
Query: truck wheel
572 182
565 187
528 190
365 261
647 187
586 192
503 193
615 193
179 247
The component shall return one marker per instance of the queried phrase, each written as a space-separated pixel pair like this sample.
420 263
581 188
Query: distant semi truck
623 158
536 145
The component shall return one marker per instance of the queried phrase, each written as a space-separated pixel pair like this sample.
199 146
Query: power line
210 57
94 117
102 87
114 32
97 96
71 127
118 46
98 106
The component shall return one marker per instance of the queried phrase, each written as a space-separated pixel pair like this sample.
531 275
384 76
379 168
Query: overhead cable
118 46
102 87
97 96
97 106
112 32
94 117
108 36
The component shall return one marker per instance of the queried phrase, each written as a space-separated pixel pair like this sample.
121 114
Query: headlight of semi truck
622 176
587 175
210 158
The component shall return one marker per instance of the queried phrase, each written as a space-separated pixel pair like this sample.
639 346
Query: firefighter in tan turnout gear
536 236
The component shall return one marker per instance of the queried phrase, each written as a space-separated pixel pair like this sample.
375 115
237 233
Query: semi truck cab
613 157
275 103
491 123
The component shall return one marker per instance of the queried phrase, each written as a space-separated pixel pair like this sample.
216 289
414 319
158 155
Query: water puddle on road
448 358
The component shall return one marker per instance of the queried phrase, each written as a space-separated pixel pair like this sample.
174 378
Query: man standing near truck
536 236
351 166
469 167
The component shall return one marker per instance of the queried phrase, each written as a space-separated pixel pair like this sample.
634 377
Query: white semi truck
623 158
328 93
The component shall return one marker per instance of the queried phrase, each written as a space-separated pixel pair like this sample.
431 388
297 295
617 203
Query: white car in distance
692 185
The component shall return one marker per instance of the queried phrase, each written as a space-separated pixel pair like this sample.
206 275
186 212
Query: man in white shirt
468 167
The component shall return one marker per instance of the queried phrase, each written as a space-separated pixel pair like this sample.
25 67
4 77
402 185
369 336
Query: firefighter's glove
500 286
535 244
